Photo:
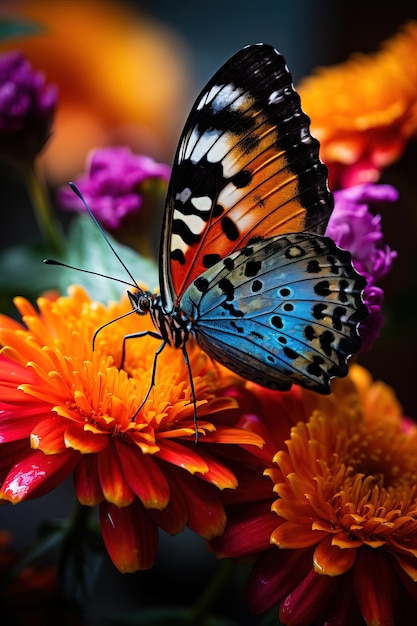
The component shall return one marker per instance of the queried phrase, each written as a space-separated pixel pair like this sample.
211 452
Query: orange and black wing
246 169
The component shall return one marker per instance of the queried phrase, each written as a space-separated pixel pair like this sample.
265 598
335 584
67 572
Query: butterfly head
140 302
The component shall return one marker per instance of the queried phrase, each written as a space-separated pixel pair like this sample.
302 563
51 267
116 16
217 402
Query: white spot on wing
195 224
202 203
227 97
178 244
203 145
190 143
208 97
275 97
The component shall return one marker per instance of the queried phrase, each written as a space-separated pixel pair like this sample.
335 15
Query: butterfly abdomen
174 327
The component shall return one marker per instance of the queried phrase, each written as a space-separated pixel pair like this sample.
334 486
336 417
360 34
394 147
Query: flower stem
206 600
49 226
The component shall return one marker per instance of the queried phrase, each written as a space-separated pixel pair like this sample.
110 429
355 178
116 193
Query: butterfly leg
155 360
190 376
136 336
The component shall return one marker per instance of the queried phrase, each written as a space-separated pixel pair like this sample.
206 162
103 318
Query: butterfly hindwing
280 311
246 167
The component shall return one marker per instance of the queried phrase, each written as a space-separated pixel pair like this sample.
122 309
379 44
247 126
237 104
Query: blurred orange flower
118 74
364 110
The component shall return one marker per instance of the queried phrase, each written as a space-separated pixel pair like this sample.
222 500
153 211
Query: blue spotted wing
280 311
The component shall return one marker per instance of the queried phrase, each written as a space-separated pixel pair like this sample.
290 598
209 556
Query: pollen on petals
68 409
344 496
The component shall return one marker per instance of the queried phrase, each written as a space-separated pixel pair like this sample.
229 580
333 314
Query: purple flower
354 227
27 107
115 185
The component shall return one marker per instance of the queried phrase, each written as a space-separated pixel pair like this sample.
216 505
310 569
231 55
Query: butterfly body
245 266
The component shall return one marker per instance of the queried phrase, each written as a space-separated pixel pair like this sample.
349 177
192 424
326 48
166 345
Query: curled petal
331 560
84 441
48 435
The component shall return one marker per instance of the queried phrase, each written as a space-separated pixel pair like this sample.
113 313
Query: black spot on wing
252 268
230 229
178 255
242 179
210 259
227 287
256 286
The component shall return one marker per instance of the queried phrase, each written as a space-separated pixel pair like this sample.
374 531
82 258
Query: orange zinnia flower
65 408
346 517
364 110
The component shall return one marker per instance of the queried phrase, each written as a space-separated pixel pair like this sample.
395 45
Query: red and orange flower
68 409
366 127
345 521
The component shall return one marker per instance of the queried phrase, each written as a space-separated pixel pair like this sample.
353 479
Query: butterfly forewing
246 167
280 311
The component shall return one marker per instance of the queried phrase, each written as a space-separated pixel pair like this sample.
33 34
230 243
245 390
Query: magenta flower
114 186
27 106
354 227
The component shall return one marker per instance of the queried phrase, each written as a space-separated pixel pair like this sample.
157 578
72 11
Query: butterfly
245 267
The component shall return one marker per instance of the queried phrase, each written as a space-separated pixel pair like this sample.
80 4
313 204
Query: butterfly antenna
80 269
99 226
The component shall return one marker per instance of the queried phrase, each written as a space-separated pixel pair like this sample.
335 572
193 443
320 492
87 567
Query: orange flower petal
331 560
131 537
112 480
83 441
290 535
182 456
48 435
144 476
206 513
86 481
409 565
235 435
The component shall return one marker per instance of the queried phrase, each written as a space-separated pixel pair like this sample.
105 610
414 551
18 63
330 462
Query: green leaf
23 273
88 250
13 28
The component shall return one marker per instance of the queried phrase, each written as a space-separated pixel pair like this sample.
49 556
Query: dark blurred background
309 34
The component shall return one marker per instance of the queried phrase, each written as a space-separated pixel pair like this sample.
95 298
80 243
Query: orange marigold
65 408
346 516
364 110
